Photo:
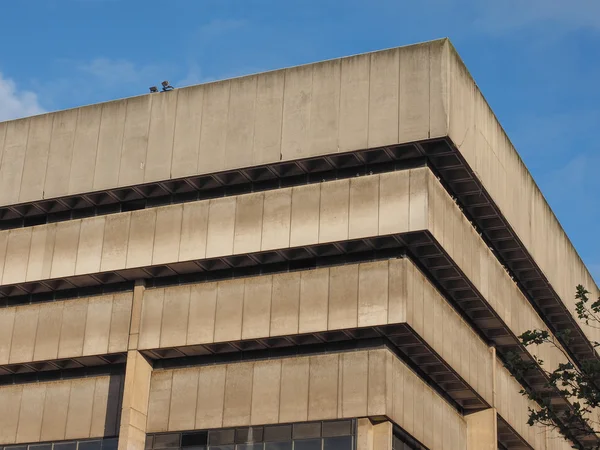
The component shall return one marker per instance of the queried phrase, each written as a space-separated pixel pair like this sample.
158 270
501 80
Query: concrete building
328 257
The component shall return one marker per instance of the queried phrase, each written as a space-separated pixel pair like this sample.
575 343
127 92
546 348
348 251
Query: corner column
138 370
370 436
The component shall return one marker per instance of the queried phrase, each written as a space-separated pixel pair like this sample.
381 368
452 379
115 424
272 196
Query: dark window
248 435
194 439
90 445
166 440
307 430
221 437
307 444
278 433
258 446
107 444
285 445
337 443
65 446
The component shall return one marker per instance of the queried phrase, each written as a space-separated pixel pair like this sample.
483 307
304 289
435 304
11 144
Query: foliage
580 383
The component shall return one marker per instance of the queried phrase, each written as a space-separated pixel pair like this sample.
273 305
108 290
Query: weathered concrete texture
339 105
341 385
402 201
482 432
58 410
132 430
342 297
65 329
487 149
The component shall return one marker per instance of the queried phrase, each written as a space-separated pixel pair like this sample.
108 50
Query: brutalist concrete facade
331 256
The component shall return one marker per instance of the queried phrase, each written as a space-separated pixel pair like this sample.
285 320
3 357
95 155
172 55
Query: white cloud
121 71
15 103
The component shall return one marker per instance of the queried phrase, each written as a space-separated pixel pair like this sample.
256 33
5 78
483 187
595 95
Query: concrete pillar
138 370
371 436
482 430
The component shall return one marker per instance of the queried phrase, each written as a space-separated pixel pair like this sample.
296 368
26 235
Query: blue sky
536 61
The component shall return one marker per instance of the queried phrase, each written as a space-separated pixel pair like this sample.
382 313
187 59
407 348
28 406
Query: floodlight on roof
153 89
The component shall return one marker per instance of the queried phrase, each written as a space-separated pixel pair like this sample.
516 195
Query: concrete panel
268 117
373 293
355 371
211 394
72 331
168 234
194 229
106 393
3 248
119 324
81 401
240 123
60 155
418 210
175 314
203 304
110 141
306 202
89 251
276 219
213 138
238 395
97 327
333 218
248 223
228 316
13 159
183 400
325 108
10 399
394 201
383 98
150 325
323 387
85 146
343 297
48 331
135 140
354 103
285 304
56 406
36 158
41 252
116 235
314 293
7 321
141 238
221 222
31 412
24 331
364 207
257 307
397 290
188 124
297 99
160 136
15 265
294 390
159 401
66 243
414 93
266 386
377 376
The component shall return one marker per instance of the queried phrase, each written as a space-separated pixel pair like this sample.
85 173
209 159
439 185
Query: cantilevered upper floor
360 111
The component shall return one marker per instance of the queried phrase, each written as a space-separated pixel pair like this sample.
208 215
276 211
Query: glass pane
41 447
166 440
149 442
338 443
287 445
337 428
258 446
307 444
65 446
278 433
221 437
194 439
89 445
108 444
16 447
307 430
250 434
222 447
